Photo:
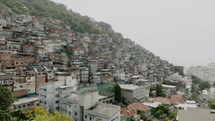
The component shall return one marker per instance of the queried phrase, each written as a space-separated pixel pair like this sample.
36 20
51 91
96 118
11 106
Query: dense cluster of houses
44 62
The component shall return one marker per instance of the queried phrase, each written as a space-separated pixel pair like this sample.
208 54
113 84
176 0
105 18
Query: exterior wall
49 96
70 80
139 93
31 84
169 90
131 95
88 99
20 90
20 93
73 110
40 79
22 105
127 94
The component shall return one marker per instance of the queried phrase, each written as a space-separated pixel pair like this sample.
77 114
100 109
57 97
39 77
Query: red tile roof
174 99
163 100
139 106
131 110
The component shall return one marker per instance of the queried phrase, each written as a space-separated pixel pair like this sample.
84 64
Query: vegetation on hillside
47 8
179 69
198 85
6 99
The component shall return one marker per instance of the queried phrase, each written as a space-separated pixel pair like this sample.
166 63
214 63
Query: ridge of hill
47 8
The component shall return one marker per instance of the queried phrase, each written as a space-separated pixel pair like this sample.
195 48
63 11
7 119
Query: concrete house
132 92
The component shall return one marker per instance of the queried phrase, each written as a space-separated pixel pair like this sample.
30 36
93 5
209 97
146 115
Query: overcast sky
180 31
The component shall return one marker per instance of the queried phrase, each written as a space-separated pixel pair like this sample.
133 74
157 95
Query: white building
187 105
84 106
50 93
132 92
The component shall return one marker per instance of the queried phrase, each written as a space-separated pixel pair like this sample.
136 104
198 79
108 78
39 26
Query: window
76 113
85 116
69 113
19 106
23 106
90 118
57 95
57 101
44 89
28 104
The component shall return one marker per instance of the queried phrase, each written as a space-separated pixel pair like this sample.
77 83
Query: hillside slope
96 40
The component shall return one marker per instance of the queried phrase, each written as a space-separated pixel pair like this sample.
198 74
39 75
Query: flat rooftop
73 96
129 86
104 110
26 100
196 114
101 97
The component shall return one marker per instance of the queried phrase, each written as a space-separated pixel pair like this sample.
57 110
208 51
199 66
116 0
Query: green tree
163 112
6 100
41 114
117 93
179 69
159 91
204 85
211 104
196 80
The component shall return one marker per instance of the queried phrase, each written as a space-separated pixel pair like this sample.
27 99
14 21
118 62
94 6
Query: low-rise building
132 92
169 90
25 104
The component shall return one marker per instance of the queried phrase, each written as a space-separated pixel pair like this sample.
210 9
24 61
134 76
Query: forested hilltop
47 8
